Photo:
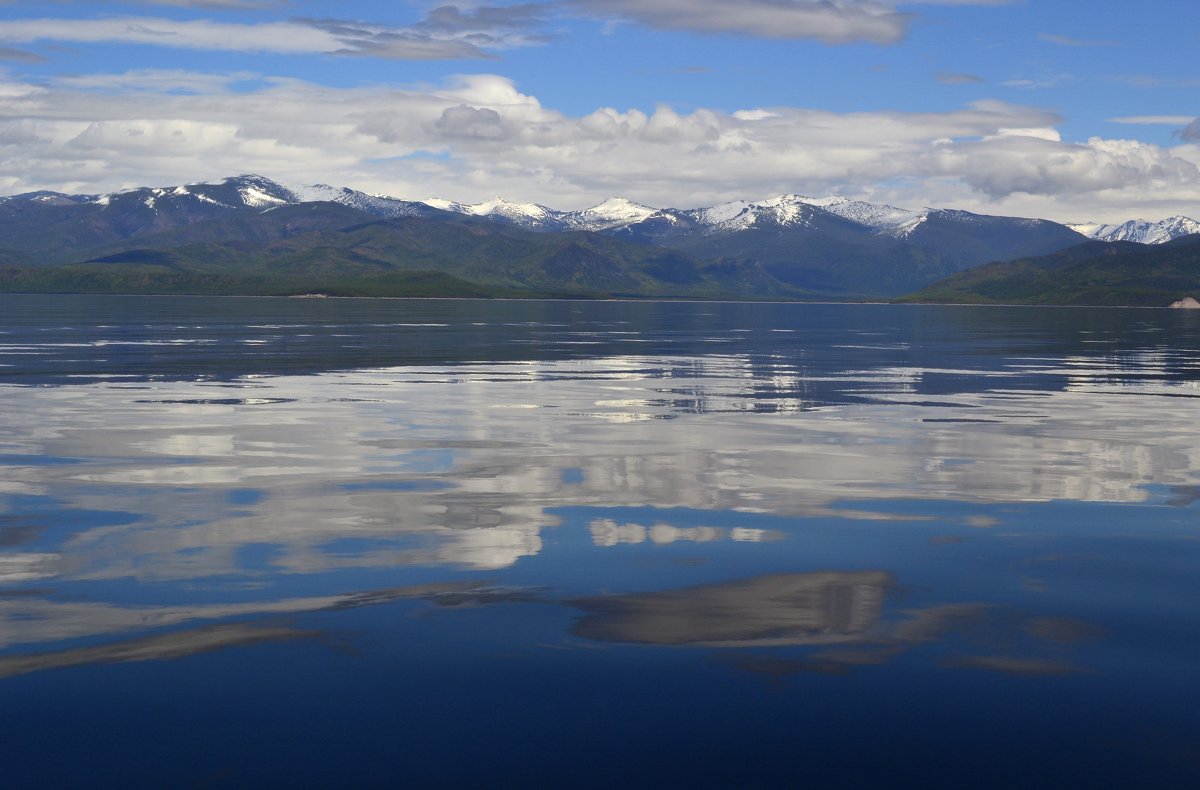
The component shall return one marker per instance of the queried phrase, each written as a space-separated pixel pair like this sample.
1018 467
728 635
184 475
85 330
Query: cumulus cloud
446 33
470 122
473 137
1031 164
1191 132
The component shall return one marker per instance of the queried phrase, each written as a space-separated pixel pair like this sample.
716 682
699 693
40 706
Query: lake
319 542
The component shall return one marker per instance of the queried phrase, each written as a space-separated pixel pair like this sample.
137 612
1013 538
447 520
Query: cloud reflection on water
424 464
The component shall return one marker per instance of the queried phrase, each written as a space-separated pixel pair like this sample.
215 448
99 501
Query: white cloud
477 136
472 30
1010 164
831 21
1043 133
1039 82
445 34
1154 120
281 37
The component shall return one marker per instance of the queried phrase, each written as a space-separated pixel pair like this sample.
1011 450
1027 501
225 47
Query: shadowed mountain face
249 235
818 251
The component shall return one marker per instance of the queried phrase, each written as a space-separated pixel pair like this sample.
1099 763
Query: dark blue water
272 542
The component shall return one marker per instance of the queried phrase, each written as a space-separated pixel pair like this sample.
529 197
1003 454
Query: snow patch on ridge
378 205
797 211
526 215
737 212
255 197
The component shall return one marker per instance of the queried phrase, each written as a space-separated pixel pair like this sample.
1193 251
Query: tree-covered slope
1095 273
299 249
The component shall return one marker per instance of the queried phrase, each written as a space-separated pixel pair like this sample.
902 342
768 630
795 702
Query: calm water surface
270 542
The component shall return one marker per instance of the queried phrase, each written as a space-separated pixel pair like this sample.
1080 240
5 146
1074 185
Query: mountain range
1140 230
250 234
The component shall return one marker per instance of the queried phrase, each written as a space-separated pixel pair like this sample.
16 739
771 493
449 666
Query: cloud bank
474 136
454 31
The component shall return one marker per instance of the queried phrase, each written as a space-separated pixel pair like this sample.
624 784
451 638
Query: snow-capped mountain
247 191
1140 230
798 211
613 213
874 215
46 198
526 215
616 215
376 205
787 210
619 213
237 192
831 246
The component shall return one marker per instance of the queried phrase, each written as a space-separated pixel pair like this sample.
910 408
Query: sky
1072 111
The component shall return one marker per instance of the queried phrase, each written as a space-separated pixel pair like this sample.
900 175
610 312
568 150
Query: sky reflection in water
675 502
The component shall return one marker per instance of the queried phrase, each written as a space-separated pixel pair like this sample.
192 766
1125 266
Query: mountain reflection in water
785 609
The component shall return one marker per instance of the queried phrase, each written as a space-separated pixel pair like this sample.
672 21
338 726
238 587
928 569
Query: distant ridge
249 233
1140 230
259 192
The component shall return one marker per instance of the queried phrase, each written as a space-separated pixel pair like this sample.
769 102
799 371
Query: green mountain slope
1095 273
301 249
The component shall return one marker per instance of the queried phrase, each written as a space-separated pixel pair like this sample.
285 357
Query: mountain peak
507 208
619 209
46 197
248 178
617 203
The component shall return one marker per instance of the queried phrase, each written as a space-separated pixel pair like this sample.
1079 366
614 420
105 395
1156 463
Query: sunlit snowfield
248 541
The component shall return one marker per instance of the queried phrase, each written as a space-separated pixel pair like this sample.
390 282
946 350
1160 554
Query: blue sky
1066 110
